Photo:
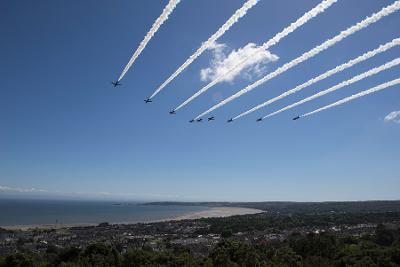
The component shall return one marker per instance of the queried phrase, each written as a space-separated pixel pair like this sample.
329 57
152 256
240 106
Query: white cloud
88 194
221 62
393 116
20 190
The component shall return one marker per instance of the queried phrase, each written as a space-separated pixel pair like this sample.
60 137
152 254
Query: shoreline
213 212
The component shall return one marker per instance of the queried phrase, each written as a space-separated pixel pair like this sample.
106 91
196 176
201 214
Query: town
200 237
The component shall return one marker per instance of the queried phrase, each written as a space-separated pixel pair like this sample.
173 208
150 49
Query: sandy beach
218 212
212 212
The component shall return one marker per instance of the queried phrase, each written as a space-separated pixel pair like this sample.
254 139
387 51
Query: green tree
365 261
100 255
68 255
383 236
138 258
21 260
286 257
313 261
395 252
226 233
181 258
233 253
321 245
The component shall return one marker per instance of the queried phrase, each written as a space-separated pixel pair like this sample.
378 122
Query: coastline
218 212
214 212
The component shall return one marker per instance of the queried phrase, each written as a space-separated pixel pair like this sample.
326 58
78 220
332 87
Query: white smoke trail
229 23
325 75
351 98
313 52
273 41
357 78
156 25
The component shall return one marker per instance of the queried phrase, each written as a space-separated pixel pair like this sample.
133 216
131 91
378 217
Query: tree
320 245
68 255
366 261
153 258
100 255
233 253
226 233
383 236
395 252
313 261
286 257
138 258
20 260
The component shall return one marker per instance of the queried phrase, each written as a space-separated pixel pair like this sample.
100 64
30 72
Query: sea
17 212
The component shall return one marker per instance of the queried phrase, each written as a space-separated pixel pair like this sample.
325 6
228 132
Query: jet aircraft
116 83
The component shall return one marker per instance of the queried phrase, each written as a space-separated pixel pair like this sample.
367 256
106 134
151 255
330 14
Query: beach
213 212
218 212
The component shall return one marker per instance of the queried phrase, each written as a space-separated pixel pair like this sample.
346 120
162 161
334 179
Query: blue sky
65 130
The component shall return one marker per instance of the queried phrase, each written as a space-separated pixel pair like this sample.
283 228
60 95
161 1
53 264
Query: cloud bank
393 116
20 190
222 61
27 192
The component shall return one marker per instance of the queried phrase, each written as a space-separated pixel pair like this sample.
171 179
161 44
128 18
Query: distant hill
301 207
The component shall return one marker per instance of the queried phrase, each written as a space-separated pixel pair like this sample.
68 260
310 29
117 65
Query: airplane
296 118
116 83
148 100
199 120
191 121
230 120
172 112
259 119
211 118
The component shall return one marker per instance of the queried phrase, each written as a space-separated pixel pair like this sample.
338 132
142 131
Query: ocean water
46 212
